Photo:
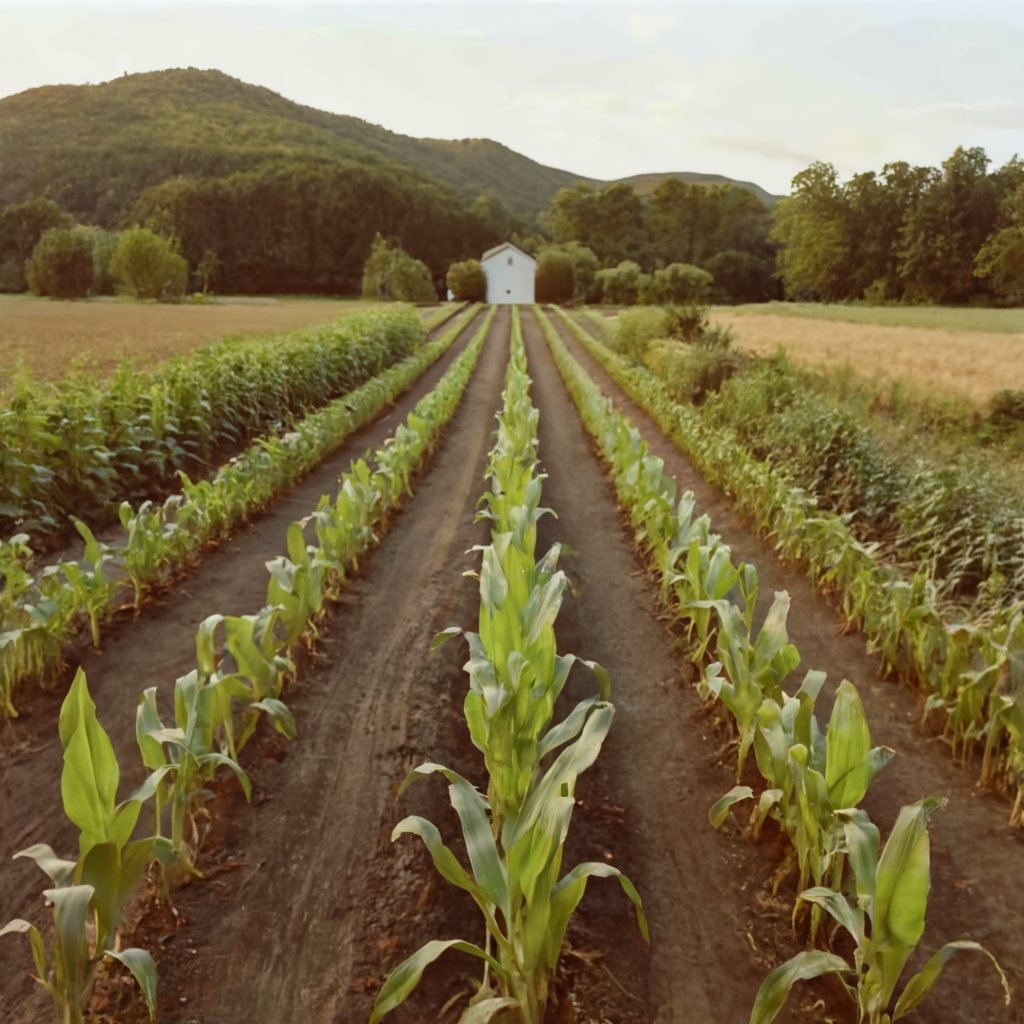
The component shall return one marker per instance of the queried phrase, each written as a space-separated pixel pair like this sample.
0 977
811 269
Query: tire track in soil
975 859
155 649
325 904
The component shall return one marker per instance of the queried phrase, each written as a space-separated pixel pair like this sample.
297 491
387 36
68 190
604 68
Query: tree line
944 235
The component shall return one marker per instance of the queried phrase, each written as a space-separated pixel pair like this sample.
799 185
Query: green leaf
848 767
921 983
59 871
140 963
720 810
406 976
35 939
484 1012
775 988
70 915
444 636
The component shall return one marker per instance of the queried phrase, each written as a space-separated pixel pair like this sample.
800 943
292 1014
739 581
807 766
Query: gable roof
501 248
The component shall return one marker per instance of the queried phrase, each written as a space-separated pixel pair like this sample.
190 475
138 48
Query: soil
307 904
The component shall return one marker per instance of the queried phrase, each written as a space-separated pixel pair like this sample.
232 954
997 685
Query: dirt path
154 650
976 860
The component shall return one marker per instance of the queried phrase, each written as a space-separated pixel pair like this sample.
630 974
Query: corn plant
89 894
885 923
91 586
515 880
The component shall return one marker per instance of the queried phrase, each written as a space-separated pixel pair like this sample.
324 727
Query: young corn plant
885 922
514 836
89 894
92 588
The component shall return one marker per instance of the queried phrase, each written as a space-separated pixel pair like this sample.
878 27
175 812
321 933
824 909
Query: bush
556 277
1006 408
146 265
622 285
692 372
61 264
467 281
21 227
637 329
742 277
391 273
679 283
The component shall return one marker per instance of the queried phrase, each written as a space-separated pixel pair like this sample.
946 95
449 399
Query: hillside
645 184
97 148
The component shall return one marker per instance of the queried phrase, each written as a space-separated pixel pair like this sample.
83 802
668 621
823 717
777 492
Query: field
305 903
50 337
964 354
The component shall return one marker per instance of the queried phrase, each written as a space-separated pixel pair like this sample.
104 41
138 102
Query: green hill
645 184
96 149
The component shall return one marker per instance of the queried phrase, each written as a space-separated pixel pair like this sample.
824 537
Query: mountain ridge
106 144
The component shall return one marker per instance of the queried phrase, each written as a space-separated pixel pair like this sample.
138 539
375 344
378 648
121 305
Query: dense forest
260 194
946 235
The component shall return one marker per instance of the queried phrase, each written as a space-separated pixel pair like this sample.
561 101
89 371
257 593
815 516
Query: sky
753 89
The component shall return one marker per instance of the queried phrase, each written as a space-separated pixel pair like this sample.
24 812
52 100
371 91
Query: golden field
969 365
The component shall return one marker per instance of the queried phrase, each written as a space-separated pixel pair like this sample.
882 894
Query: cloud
1001 114
767 149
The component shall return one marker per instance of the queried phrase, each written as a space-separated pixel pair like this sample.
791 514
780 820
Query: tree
147 265
21 227
609 222
467 281
621 285
679 284
556 279
391 273
741 277
61 264
1001 258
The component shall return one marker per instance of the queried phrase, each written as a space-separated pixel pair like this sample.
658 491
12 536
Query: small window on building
510 261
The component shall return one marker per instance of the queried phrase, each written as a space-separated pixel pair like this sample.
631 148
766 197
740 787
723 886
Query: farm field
50 337
956 319
925 349
307 903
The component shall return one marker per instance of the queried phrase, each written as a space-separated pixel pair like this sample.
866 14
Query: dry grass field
969 365
49 337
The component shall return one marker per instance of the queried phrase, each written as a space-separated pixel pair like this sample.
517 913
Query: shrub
391 273
742 277
622 285
679 283
467 281
637 329
61 264
1006 408
146 265
556 277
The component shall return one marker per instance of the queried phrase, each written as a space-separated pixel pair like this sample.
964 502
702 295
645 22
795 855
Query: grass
943 318
50 337
931 363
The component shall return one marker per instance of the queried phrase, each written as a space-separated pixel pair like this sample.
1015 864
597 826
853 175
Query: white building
511 275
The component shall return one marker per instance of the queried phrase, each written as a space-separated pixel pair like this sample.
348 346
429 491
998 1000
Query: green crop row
82 446
514 836
39 614
215 710
438 316
971 671
813 778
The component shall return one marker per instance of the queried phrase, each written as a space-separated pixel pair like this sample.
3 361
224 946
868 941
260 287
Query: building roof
501 248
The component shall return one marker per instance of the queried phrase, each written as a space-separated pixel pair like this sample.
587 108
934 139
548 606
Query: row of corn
84 444
40 613
514 836
242 663
970 670
812 778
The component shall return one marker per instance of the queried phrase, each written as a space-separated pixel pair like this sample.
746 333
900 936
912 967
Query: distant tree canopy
21 227
913 234
146 265
391 273
556 278
680 223
467 281
61 264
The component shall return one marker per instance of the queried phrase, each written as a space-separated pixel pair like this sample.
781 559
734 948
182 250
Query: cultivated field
302 902
50 337
951 360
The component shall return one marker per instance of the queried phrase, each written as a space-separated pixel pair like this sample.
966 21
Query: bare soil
307 904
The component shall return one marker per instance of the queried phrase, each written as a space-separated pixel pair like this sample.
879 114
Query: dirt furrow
153 650
323 902
976 860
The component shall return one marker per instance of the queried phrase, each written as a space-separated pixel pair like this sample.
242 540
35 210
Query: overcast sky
755 89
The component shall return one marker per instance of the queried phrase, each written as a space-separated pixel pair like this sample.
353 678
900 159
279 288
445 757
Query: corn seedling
90 894
885 923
